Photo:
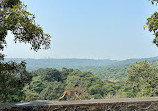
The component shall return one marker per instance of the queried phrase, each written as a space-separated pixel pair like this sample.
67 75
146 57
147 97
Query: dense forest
141 81
106 69
50 83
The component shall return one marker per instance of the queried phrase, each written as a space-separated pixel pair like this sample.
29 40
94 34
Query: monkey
69 93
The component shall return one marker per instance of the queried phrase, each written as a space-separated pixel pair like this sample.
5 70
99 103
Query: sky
92 29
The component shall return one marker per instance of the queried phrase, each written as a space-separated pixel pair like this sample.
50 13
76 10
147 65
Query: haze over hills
33 64
109 69
117 70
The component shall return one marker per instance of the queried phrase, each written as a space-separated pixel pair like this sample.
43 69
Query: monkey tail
64 93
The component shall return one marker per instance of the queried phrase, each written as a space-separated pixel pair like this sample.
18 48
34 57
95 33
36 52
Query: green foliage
46 84
36 85
143 79
84 81
153 26
30 94
13 77
110 70
22 24
64 74
15 18
9 3
152 23
51 75
52 91
88 86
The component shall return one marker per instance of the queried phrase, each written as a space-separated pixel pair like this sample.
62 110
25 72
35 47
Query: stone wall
123 104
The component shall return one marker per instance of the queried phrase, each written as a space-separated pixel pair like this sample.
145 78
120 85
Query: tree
12 80
143 79
46 84
15 18
53 90
152 23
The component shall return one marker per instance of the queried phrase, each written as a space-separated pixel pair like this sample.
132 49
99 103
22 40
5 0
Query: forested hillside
117 71
50 83
34 64
106 69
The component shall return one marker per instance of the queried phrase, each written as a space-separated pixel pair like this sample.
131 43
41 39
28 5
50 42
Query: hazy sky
95 29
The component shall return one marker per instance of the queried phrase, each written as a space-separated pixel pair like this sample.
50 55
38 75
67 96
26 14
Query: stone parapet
121 104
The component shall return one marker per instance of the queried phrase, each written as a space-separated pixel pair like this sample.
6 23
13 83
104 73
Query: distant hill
34 64
117 70
108 69
133 61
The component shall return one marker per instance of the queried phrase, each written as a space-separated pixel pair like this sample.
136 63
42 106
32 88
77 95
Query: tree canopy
15 18
88 86
152 23
143 79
